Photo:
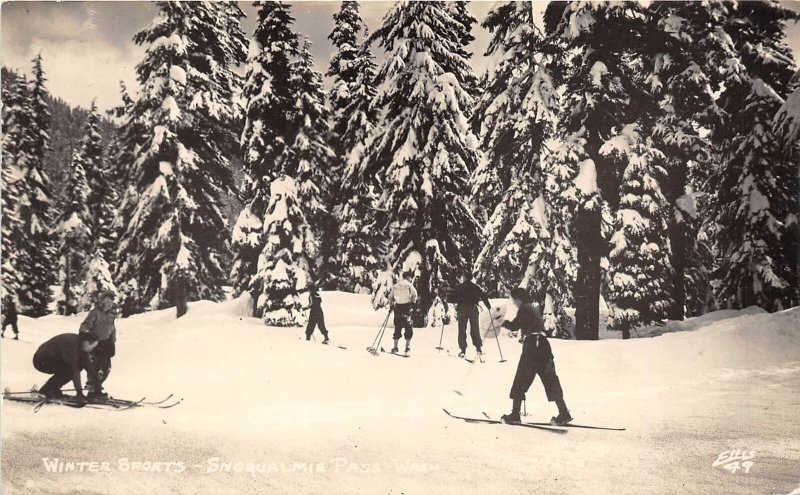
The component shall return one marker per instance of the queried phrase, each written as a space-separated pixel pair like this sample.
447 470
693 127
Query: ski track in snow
262 395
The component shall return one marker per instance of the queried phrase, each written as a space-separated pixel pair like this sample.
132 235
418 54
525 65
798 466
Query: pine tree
283 265
101 200
101 204
687 46
640 270
34 266
424 150
352 100
74 236
16 118
309 157
603 50
267 132
756 205
167 255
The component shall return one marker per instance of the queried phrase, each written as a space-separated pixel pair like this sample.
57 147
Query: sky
88 49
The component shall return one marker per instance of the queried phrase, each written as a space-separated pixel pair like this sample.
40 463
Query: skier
9 316
65 356
401 299
536 359
316 317
100 321
466 297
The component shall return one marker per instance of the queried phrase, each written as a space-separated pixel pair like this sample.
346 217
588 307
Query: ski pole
374 347
383 331
497 339
440 338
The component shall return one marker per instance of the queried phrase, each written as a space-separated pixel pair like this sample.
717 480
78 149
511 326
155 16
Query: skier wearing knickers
536 359
402 298
316 318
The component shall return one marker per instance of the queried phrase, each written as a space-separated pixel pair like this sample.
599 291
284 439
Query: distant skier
316 317
466 297
100 321
9 316
402 299
65 356
536 359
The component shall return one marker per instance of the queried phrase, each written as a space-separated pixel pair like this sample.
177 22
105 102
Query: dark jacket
467 294
101 324
9 311
316 301
531 326
65 351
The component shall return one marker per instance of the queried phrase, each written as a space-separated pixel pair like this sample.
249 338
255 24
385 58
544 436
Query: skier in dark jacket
316 317
536 359
100 321
466 297
65 356
10 317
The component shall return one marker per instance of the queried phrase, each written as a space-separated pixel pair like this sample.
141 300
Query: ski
498 422
171 405
395 353
159 402
570 425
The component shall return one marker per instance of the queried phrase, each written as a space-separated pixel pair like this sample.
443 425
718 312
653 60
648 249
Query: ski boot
395 350
2 335
16 336
327 340
308 337
96 395
562 419
462 354
511 418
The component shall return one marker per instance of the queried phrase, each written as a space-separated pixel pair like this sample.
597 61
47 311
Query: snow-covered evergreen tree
172 250
102 198
283 265
756 203
352 100
16 119
686 45
269 100
639 263
309 158
599 96
74 236
424 151
34 266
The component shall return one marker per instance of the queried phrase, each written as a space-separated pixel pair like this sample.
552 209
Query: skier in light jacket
100 321
402 298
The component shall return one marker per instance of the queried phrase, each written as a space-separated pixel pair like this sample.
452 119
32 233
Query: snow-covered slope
320 419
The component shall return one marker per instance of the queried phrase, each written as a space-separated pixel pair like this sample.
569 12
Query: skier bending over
466 297
10 317
401 299
64 356
316 316
536 359
100 321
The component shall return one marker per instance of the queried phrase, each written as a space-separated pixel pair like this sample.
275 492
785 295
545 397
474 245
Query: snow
262 396
586 181
597 72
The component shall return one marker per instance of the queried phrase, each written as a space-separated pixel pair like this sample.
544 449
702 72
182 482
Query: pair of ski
72 401
538 426
374 352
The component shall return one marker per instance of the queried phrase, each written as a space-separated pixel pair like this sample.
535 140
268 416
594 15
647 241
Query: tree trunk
254 297
589 241
677 241
180 296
